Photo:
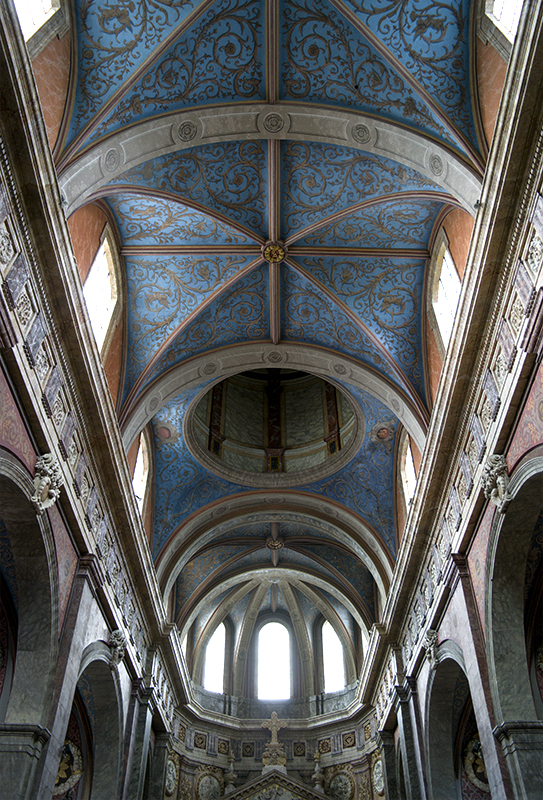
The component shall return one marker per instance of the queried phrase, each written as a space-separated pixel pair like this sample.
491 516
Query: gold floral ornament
70 768
274 252
474 764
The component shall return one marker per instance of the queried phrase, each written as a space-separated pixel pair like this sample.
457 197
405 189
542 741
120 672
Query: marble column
385 743
403 700
20 749
163 745
140 746
522 743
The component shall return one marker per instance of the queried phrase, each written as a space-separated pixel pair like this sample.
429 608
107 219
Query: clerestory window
505 14
409 475
141 472
101 294
274 669
333 659
214 662
34 13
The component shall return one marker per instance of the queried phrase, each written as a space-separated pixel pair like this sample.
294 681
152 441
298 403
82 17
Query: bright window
409 474
506 14
273 662
100 292
214 666
332 657
33 14
141 472
448 294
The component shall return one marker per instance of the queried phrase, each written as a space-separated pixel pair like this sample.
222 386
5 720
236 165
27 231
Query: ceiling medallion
436 164
274 122
187 131
274 544
274 252
361 134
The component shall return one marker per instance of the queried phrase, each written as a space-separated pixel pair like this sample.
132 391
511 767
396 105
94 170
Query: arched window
34 13
446 297
140 478
333 660
274 672
409 475
101 294
505 14
214 664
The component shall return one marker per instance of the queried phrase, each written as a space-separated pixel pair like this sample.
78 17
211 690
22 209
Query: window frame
441 246
279 620
108 238
147 442
56 25
490 31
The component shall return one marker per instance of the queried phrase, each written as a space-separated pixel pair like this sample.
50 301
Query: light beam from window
33 14
214 666
273 662
333 661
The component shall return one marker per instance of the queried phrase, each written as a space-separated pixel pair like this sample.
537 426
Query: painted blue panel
220 59
308 315
183 486
241 314
366 483
144 220
431 39
321 179
326 60
392 223
113 40
229 178
162 291
348 567
386 295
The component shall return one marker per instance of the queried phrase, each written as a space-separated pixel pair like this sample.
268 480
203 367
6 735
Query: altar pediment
275 785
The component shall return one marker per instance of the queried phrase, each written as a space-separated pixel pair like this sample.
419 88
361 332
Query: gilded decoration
339 782
474 764
328 61
70 769
219 59
208 782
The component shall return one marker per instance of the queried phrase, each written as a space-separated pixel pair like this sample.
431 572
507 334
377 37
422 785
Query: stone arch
505 578
103 680
33 550
87 176
439 721
238 358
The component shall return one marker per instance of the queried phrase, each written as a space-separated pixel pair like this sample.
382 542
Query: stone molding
83 179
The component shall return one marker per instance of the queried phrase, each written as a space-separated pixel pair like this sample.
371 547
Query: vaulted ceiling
342 130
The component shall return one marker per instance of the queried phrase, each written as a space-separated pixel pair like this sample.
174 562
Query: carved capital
495 481
117 644
47 482
430 645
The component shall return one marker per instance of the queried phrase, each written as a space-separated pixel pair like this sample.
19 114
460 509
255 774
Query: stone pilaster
413 787
163 745
21 747
139 749
522 743
385 743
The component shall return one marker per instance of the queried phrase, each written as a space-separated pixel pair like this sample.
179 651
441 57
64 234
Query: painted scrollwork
430 38
227 177
216 60
324 179
495 481
328 61
48 481
387 220
386 294
144 220
113 40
